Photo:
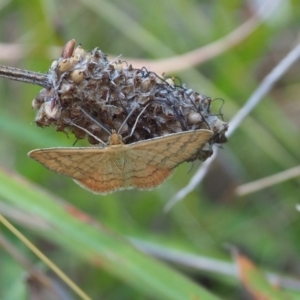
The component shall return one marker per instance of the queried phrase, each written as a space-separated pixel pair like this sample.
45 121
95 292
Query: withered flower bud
79 52
68 49
77 76
64 65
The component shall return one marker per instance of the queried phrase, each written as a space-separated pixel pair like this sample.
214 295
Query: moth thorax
115 139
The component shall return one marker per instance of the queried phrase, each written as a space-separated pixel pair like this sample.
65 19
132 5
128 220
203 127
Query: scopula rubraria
142 165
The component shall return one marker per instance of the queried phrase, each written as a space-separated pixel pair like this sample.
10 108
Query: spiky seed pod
90 92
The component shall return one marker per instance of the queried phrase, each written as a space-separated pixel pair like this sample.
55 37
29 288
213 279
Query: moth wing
91 168
73 162
171 150
149 163
139 174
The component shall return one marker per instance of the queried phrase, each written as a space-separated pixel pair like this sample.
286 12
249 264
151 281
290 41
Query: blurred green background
265 224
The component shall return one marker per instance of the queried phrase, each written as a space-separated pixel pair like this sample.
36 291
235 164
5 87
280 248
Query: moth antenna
97 122
128 116
133 128
85 130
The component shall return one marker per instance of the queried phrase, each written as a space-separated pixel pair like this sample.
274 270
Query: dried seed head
93 93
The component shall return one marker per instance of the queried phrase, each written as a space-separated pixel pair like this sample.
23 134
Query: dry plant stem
25 76
168 65
203 263
33 273
22 218
23 261
253 101
202 54
175 63
195 180
17 51
45 259
195 262
264 88
189 59
263 183
172 64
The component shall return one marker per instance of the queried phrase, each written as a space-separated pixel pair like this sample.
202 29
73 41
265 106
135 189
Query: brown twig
257 96
25 76
201 54
263 183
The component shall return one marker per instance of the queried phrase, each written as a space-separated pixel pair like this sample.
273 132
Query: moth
142 165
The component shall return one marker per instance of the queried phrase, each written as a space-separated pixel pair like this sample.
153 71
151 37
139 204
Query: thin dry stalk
266 182
252 102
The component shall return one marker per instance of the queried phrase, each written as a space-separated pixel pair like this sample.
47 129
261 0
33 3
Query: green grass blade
99 246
